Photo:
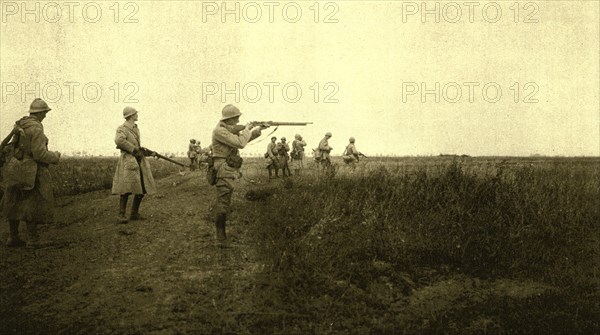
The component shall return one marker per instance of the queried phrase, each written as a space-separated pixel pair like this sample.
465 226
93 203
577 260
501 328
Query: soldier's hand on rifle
137 153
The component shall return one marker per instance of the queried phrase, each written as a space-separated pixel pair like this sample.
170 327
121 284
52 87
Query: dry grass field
427 245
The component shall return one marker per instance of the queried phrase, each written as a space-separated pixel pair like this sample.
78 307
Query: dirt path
160 276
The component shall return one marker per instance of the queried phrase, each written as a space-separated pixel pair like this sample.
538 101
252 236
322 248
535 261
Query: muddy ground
164 275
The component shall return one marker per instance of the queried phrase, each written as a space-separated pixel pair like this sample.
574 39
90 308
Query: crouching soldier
351 154
133 174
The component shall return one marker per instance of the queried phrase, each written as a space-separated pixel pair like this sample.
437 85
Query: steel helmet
328 134
229 111
129 111
298 137
351 139
38 105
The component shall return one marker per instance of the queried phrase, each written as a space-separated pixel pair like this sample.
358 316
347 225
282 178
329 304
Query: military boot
33 239
122 208
137 201
14 240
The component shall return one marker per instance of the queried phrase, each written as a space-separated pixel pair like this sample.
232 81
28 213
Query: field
80 175
426 245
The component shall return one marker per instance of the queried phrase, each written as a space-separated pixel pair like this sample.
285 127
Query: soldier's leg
287 167
33 239
123 207
135 208
14 240
224 193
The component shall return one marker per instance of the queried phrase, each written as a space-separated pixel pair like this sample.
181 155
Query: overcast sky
499 78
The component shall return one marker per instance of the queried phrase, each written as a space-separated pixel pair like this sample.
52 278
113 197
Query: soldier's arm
39 149
121 141
270 150
238 141
325 146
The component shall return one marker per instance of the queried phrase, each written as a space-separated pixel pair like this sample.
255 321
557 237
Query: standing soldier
351 154
283 157
133 174
298 154
271 156
199 152
192 154
227 139
324 149
28 196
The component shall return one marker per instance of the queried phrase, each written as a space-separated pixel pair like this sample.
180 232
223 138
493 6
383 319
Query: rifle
237 128
7 139
277 124
148 152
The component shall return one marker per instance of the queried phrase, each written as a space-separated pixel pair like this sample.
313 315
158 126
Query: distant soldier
351 154
324 150
283 157
28 195
297 154
271 156
192 154
204 154
133 174
227 139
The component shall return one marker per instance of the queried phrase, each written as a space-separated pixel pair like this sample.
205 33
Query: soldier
323 151
271 156
204 154
227 139
28 195
192 154
283 157
133 174
297 154
351 154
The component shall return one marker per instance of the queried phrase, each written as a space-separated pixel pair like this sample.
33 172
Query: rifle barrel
156 154
273 123
168 159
